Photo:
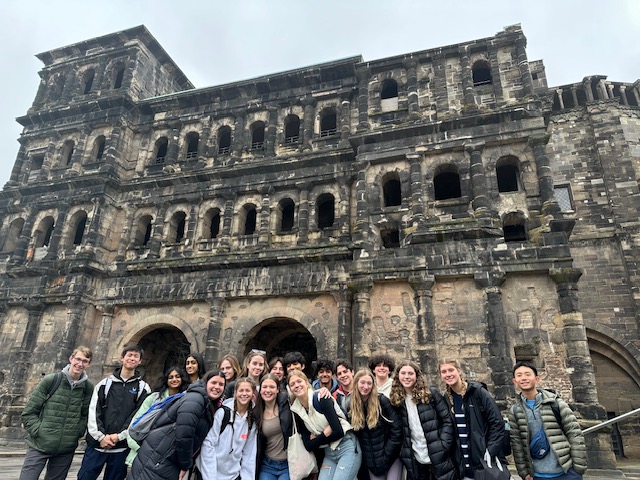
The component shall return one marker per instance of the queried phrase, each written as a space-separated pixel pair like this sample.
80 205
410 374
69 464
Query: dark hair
293 357
383 358
324 364
274 360
213 373
524 364
132 348
345 363
200 359
163 385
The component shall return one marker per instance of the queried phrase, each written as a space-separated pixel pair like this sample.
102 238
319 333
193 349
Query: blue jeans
273 469
342 463
94 461
570 475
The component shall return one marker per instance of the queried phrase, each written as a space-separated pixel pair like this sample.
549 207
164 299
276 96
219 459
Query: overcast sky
216 42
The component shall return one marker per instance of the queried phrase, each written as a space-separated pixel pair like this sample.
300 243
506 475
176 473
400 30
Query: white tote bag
301 462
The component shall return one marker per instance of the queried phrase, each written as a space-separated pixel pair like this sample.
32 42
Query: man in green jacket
55 417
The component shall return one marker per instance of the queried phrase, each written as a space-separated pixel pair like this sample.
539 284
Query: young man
344 372
55 418
562 454
113 403
324 376
382 365
294 361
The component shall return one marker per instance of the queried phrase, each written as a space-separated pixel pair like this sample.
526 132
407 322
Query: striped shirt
461 425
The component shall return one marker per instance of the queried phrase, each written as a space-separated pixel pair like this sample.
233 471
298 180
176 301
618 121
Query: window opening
143 231
563 197
224 141
36 162
257 136
15 229
193 140
88 81
214 223
44 232
392 191
119 77
390 238
325 210
179 221
447 185
328 124
67 154
79 233
507 175
287 213
389 89
98 148
250 220
513 227
162 145
291 129
481 73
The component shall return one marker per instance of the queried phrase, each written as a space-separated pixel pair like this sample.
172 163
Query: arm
575 437
189 411
207 461
95 426
35 404
446 430
329 411
249 455
86 401
519 455
494 423
393 442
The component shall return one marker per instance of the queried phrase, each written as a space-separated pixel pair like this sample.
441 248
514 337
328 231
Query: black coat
381 445
286 424
180 431
485 425
439 432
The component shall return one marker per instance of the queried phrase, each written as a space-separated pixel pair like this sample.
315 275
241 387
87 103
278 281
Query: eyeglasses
83 361
261 352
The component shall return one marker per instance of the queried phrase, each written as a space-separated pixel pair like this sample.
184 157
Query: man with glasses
55 417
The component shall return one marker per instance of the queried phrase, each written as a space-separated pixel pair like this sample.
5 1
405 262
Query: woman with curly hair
383 366
377 427
428 446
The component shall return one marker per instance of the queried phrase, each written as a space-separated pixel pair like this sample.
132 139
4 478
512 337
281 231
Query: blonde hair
233 361
358 410
456 363
420 392
247 360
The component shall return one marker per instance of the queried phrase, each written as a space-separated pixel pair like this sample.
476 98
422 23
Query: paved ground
11 462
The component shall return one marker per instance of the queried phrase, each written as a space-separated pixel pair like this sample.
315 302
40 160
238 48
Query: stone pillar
263 219
636 91
238 141
574 95
413 104
609 90
479 189
113 147
344 298
363 76
21 361
303 214
54 242
270 136
523 66
157 233
173 146
307 122
345 123
361 316
227 220
425 345
101 348
344 203
75 311
216 311
545 179
91 237
469 100
580 367
203 145
560 100
415 178
602 90
623 95
499 361
586 84
361 227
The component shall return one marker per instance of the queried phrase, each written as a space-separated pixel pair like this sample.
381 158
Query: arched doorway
164 346
280 335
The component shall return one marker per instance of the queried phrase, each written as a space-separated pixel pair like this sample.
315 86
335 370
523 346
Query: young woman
383 366
322 424
276 367
274 428
173 381
194 365
476 416
254 366
428 444
377 427
168 450
229 452
230 366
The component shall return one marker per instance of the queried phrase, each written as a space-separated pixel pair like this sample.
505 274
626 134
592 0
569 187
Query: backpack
226 419
142 426
57 380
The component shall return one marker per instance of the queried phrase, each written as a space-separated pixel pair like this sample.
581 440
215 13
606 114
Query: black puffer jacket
381 445
439 432
485 426
180 432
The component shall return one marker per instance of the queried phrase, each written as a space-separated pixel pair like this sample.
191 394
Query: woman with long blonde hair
377 427
428 446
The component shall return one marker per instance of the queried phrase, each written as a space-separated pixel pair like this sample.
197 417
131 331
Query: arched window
98 148
328 122
67 152
224 140
212 224
78 224
513 226
160 150
508 174
44 232
291 129
118 77
325 210
143 231
286 210
177 227
193 141
87 80
391 190
257 136
481 71
15 229
250 219
446 183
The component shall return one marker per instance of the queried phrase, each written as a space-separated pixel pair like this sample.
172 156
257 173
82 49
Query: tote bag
492 471
301 462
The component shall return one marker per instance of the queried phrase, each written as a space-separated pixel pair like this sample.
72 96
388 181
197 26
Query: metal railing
611 421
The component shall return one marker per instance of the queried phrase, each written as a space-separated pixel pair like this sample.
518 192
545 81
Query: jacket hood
118 378
334 385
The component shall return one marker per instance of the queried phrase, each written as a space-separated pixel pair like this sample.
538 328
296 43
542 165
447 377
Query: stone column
203 145
238 140
270 136
560 100
361 316
75 311
92 233
264 216
363 76
609 90
497 334
173 146
22 355
469 100
415 178
636 91
54 242
344 203
602 90
586 84
345 123
479 189
227 221
361 227
425 345
157 232
113 147
523 66
623 95
545 179
413 104
101 348
303 214
307 122
216 312
344 298
574 95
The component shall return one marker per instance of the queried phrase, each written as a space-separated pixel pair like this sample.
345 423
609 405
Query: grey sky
217 42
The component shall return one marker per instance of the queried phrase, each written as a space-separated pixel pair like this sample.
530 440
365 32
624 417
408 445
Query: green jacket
54 426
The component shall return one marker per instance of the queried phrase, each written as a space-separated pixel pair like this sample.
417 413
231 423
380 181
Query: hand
327 431
182 474
528 477
324 393
107 442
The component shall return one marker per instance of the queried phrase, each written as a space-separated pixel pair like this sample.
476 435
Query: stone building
441 202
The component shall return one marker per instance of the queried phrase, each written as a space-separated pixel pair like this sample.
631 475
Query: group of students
234 422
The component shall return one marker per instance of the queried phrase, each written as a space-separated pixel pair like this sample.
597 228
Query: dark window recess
118 80
513 227
390 238
507 178
214 227
47 235
99 148
389 89
88 81
36 162
292 129
68 153
193 141
250 222
77 238
161 149
147 234
326 210
287 210
224 141
328 124
392 193
481 73
180 219
257 136
447 185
